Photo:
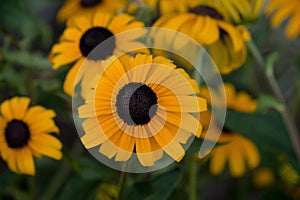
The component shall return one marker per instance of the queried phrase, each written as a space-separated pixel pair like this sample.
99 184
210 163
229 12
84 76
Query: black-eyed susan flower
236 150
141 104
235 11
224 41
280 10
24 133
82 35
73 8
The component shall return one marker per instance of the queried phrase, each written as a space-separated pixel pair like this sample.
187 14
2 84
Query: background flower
82 35
25 132
87 8
225 42
279 11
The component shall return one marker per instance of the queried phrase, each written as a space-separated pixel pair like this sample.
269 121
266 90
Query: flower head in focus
25 133
82 35
141 104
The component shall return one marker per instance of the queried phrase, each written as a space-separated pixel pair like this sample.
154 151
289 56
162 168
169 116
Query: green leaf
91 169
270 61
265 130
158 187
266 102
27 59
78 188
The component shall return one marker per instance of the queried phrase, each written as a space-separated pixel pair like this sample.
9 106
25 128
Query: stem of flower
61 175
122 184
287 119
192 177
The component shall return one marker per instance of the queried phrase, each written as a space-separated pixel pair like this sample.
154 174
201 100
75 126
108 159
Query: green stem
287 119
60 176
192 177
122 184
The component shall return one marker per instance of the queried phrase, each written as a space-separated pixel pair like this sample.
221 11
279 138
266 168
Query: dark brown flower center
136 103
89 3
208 11
92 38
17 134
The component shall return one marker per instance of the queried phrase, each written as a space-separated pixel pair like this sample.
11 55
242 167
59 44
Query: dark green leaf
266 130
158 187
27 59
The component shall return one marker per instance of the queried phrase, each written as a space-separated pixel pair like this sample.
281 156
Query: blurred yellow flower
280 10
24 133
235 11
82 35
225 42
235 149
73 8
239 101
147 105
263 177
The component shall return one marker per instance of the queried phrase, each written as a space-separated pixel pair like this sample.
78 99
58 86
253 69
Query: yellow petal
101 20
47 140
46 150
186 104
6 110
236 161
71 80
217 161
210 32
251 154
281 14
25 161
293 27
234 34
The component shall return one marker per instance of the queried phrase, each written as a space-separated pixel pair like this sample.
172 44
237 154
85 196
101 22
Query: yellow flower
263 177
225 42
235 11
238 151
24 133
73 8
82 35
239 101
143 104
235 149
280 10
